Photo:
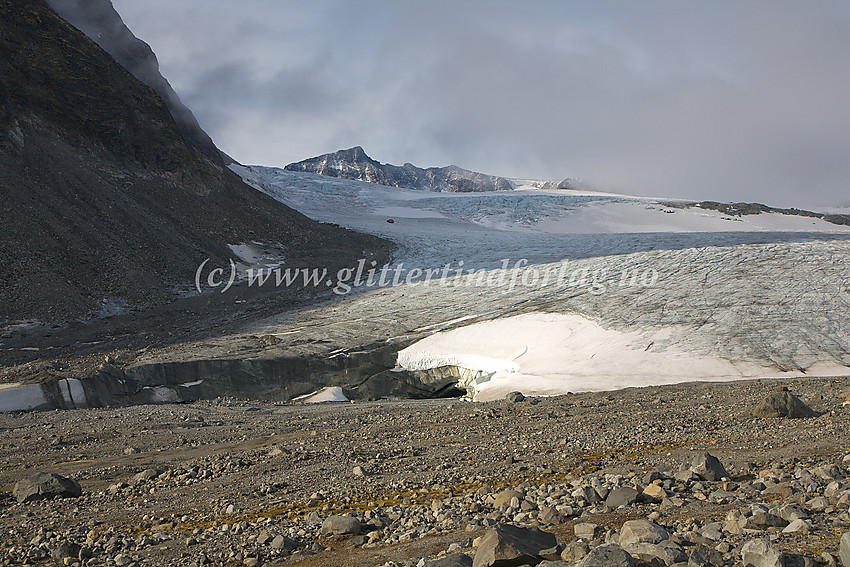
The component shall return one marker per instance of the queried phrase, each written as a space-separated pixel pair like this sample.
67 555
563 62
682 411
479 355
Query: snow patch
551 354
329 394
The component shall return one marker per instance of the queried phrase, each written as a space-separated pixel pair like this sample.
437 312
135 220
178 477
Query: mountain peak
354 163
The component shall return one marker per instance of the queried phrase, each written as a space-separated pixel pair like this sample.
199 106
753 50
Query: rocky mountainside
102 24
104 200
354 164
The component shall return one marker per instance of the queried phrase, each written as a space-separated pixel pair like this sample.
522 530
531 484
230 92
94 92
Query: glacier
758 296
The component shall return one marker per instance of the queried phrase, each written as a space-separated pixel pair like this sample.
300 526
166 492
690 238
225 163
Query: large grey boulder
782 403
704 556
656 555
607 556
708 467
506 545
622 497
761 553
844 549
341 525
642 531
44 485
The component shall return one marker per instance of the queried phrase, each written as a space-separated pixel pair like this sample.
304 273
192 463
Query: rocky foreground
679 475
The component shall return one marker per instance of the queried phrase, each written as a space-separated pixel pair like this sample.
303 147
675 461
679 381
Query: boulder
454 560
341 525
782 403
704 556
642 531
656 555
844 549
144 476
761 553
504 498
44 485
708 467
515 397
587 531
621 497
504 545
607 556
764 520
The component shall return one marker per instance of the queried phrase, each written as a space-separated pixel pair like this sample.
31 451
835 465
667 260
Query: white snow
329 394
553 353
20 397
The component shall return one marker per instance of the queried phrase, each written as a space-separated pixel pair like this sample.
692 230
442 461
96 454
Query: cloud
718 100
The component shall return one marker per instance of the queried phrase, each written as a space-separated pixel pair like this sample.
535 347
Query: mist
722 101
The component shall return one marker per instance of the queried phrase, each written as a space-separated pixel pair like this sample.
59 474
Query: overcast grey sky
723 100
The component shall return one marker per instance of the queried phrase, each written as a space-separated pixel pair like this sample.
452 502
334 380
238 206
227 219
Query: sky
722 100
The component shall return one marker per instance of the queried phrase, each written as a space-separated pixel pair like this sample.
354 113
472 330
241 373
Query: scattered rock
515 397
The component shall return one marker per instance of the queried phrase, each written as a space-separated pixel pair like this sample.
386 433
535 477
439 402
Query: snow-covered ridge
354 164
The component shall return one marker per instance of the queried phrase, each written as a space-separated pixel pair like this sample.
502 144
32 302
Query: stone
782 403
761 553
642 531
504 544
654 493
575 551
504 498
704 556
622 497
587 531
791 512
764 520
282 542
587 493
341 525
798 525
251 562
145 475
844 549
515 397
453 560
44 485
549 515
607 556
708 467
656 555
66 549
131 451
360 471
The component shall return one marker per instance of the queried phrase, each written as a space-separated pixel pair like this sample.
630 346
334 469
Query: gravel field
239 482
